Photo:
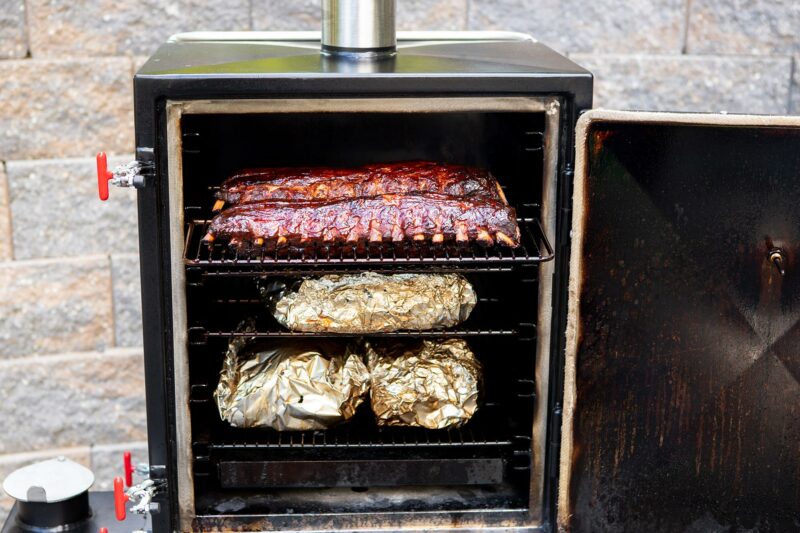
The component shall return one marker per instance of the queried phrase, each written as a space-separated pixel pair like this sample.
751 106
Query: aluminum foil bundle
432 384
290 385
369 302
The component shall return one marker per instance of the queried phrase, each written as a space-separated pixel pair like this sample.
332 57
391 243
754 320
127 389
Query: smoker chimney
359 28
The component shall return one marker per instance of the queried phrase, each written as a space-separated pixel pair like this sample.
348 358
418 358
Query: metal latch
131 174
141 494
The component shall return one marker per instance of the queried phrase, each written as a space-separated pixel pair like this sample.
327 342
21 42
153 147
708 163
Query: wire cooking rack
534 248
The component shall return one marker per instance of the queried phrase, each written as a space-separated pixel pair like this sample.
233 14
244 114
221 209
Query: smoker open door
682 375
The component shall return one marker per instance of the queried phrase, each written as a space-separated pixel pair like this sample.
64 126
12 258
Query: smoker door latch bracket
130 174
141 495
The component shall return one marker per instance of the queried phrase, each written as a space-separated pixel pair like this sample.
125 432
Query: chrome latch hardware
142 496
128 175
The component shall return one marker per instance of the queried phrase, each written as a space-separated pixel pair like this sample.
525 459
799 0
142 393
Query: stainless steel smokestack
361 28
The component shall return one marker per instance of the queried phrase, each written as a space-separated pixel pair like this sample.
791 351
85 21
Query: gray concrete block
769 27
279 15
127 299
690 83
56 212
54 306
411 15
72 400
13 36
432 15
606 26
65 108
94 27
6 248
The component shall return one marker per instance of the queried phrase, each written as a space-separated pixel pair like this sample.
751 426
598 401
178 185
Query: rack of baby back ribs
361 314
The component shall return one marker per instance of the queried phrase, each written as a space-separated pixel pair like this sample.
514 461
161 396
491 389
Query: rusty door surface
682 379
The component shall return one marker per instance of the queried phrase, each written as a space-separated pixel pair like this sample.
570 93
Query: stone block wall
71 376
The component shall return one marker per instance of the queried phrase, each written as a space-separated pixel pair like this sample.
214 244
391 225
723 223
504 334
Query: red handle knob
103 530
128 468
103 176
119 499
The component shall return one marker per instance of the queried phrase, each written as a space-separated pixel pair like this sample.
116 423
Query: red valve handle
128 468
119 499
103 175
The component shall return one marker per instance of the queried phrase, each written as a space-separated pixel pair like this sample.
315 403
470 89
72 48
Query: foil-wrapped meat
290 385
369 302
306 183
432 384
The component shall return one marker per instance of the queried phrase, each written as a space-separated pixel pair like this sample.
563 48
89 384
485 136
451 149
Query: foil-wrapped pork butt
369 302
432 384
290 385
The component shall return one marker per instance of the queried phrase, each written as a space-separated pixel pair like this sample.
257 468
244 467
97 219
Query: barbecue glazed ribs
414 216
308 183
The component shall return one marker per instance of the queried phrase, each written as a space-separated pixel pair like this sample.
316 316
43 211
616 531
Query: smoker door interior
682 377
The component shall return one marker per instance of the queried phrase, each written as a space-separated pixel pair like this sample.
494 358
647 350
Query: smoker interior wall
215 146
688 359
510 145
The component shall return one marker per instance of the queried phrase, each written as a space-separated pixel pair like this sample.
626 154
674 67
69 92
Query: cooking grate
476 453
534 248
198 274
350 438
200 335
487 318
489 428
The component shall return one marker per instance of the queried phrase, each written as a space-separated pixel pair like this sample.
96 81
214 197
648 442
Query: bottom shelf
360 454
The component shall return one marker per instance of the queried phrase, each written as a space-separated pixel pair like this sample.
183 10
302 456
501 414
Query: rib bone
503 238
484 237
